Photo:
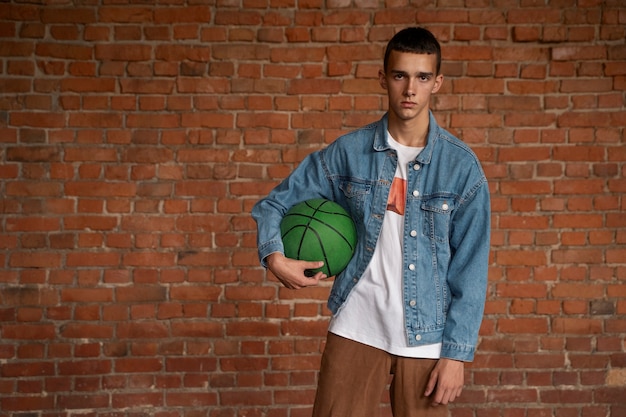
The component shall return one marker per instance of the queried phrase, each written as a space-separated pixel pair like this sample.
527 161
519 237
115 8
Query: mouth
408 104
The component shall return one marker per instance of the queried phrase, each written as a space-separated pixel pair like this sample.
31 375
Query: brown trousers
353 378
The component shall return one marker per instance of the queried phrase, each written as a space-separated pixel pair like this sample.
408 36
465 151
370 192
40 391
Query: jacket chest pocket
437 213
355 193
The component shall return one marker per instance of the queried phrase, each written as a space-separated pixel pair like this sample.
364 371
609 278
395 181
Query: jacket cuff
458 352
267 249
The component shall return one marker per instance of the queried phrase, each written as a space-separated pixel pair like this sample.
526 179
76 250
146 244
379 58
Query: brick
577 256
259 120
87 331
130 14
93 259
137 400
15 86
566 53
578 186
319 87
523 326
95 189
579 153
563 290
576 326
29 331
482 121
305 328
140 294
88 154
207 120
68 15
153 120
27 370
39 120
64 51
566 397
532 87
70 402
191 399
566 221
34 260
520 119
245 52
91 85
192 292
87 295
31 224
512 396
525 290
525 222
143 330
126 52
143 86
27 403
90 222
252 329
586 119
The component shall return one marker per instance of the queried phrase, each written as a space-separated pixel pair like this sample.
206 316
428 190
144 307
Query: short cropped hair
414 40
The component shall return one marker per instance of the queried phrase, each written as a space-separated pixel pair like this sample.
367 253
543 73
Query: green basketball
319 230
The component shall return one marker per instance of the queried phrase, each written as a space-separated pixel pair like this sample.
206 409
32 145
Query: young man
410 302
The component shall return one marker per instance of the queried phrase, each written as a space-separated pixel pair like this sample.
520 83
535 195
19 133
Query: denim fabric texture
446 233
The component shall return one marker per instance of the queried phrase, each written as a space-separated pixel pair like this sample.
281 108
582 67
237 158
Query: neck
409 132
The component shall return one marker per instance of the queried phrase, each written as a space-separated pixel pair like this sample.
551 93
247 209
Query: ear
382 79
438 83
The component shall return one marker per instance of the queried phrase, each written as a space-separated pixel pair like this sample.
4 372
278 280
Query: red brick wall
136 138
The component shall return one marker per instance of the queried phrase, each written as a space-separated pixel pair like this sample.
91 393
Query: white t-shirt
373 314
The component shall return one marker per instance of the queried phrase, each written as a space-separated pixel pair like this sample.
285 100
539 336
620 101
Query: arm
305 182
467 274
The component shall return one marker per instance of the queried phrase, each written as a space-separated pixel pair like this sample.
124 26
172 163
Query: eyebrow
419 74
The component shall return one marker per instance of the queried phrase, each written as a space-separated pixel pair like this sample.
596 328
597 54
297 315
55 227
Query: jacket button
418 337
412 267
412 303
413 233
416 193
416 167
445 206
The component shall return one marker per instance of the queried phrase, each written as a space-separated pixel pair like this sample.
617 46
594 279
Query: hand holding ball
319 230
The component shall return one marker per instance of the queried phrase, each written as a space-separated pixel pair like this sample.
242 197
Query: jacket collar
381 143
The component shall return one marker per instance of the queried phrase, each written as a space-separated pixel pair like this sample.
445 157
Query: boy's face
410 80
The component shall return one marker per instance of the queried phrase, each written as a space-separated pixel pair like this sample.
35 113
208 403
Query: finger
454 395
320 275
446 395
310 273
430 386
442 394
295 282
298 282
438 397
312 265
310 282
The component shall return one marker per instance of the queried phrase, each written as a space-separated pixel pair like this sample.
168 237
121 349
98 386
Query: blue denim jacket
446 232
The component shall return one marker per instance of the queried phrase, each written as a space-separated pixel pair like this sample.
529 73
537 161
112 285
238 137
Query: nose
410 88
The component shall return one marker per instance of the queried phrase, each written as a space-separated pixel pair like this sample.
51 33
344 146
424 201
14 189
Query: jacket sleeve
467 273
305 182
